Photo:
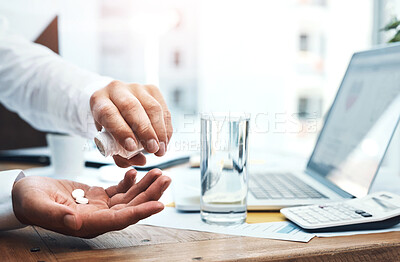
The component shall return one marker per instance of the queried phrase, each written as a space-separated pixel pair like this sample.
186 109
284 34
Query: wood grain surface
148 243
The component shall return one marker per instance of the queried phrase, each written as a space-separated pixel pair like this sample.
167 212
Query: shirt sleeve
46 91
7 218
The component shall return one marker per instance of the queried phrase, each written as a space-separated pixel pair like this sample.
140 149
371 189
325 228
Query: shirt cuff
8 220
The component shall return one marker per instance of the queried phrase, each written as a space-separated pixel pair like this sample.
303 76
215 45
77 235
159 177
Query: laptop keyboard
280 186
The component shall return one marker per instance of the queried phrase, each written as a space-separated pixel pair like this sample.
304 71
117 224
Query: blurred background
280 60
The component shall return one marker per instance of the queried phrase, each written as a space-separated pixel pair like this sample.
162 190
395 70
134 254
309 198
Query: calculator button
365 214
322 219
312 221
359 211
344 217
301 214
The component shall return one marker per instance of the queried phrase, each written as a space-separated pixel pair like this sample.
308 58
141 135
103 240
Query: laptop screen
361 121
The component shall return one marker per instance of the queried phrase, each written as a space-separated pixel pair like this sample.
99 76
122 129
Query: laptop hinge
328 184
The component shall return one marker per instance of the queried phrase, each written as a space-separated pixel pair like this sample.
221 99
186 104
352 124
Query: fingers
123 185
153 192
136 189
109 220
154 111
98 126
143 184
155 92
138 160
132 215
107 115
131 108
133 113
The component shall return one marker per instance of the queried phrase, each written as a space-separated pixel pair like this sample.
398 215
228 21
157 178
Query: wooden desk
147 243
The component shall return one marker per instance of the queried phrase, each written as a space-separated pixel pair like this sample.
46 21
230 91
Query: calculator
374 211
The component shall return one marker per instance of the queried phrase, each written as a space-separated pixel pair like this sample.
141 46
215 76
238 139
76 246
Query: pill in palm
82 200
78 193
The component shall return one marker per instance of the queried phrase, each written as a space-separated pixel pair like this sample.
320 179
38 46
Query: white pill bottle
108 146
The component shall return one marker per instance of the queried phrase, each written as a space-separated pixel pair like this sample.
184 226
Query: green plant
394 25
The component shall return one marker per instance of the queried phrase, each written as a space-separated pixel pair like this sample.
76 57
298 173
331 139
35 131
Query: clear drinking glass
223 163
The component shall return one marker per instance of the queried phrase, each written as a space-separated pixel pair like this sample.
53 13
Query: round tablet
82 200
78 193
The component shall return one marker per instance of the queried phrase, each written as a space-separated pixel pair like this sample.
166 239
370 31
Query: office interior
280 61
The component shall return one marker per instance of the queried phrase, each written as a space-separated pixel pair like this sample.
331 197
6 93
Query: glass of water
223 163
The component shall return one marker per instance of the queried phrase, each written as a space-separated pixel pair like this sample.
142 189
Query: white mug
66 155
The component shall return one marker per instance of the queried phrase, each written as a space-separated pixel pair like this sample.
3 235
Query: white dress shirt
7 218
49 93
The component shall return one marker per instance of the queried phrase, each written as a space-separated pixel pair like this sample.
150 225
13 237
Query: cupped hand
133 113
48 203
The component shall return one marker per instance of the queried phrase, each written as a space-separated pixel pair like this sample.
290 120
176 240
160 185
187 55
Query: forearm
49 93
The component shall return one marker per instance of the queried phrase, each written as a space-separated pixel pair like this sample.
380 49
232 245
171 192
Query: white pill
82 200
78 193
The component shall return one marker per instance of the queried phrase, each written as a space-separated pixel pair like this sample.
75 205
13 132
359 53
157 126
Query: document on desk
171 218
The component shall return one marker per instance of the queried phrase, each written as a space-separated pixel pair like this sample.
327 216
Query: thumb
72 222
54 216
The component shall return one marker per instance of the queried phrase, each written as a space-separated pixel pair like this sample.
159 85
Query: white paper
358 232
171 218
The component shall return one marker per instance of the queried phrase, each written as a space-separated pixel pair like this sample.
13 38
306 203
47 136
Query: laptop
350 148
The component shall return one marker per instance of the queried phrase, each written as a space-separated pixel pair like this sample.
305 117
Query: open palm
48 203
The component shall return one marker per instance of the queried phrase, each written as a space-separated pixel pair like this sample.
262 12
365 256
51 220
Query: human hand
48 203
132 112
